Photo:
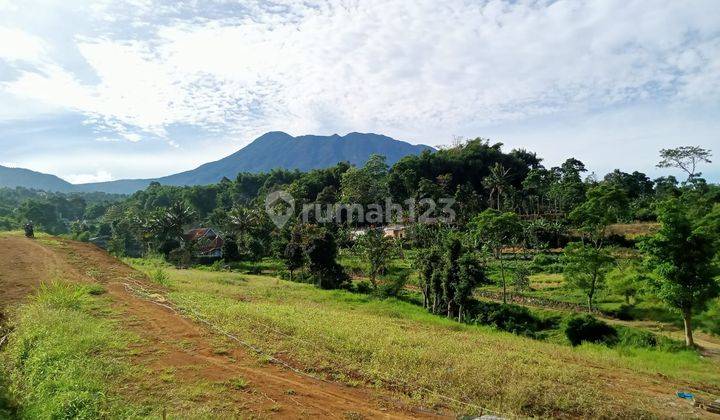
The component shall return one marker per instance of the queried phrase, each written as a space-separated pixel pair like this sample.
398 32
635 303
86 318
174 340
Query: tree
605 204
294 255
323 265
451 273
470 275
366 185
627 280
497 182
686 158
682 254
586 267
175 218
568 189
426 263
497 230
377 250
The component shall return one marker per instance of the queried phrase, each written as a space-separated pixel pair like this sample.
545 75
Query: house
394 231
209 244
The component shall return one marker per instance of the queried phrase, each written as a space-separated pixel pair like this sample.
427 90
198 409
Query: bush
557 268
363 286
587 328
512 318
543 260
631 337
393 285
160 277
623 312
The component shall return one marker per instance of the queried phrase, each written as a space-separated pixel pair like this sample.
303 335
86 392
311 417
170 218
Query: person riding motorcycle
29 230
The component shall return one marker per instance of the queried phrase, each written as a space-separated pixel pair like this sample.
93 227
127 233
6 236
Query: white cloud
391 65
18 45
98 176
422 70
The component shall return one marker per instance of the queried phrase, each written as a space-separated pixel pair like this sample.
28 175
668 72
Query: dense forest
508 207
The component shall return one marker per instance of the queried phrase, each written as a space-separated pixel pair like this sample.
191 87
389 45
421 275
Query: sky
102 90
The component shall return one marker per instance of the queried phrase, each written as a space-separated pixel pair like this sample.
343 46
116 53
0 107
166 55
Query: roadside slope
184 361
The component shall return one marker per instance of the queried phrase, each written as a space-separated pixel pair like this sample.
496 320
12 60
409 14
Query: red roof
211 240
195 234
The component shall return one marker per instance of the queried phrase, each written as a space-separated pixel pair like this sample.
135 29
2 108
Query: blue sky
142 88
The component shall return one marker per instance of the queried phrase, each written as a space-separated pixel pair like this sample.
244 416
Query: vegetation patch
61 361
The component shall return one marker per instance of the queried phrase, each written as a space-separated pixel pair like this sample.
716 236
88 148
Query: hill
18 177
278 150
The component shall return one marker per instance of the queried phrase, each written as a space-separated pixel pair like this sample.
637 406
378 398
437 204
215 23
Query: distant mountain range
18 177
269 151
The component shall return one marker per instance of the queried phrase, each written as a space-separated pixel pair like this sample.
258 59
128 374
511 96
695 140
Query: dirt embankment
172 343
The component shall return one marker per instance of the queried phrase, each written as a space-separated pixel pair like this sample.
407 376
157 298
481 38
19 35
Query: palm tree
496 182
240 220
171 221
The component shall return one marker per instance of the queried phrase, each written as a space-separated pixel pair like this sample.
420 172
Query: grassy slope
356 338
64 360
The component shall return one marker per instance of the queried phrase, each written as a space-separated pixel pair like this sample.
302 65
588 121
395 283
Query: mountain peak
272 150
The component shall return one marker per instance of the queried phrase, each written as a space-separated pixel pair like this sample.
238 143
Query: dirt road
172 344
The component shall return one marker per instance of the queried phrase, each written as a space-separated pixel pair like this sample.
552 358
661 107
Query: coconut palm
497 182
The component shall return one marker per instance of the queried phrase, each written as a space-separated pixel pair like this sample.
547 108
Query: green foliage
497 229
682 255
686 158
585 267
160 277
587 328
376 250
322 262
391 286
628 279
605 204
366 185
521 278
63 361
512 318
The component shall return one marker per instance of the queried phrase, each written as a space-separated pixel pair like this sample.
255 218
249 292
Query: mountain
18 177
278 150
274 150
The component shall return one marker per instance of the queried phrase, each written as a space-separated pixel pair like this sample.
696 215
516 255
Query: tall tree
586 267
682 254
497 230
376 250
426 263
497 182
294 253
685 158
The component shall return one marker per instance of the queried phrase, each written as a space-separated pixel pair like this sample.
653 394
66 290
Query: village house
394 231
208 242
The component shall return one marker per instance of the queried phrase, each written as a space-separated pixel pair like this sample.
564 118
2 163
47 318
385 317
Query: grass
63 361
394 344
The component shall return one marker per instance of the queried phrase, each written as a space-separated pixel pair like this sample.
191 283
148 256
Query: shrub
59 295
160 277
521 279
631 337
363 286
512 318
587 328
253 269
623 312
392 285
543 260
